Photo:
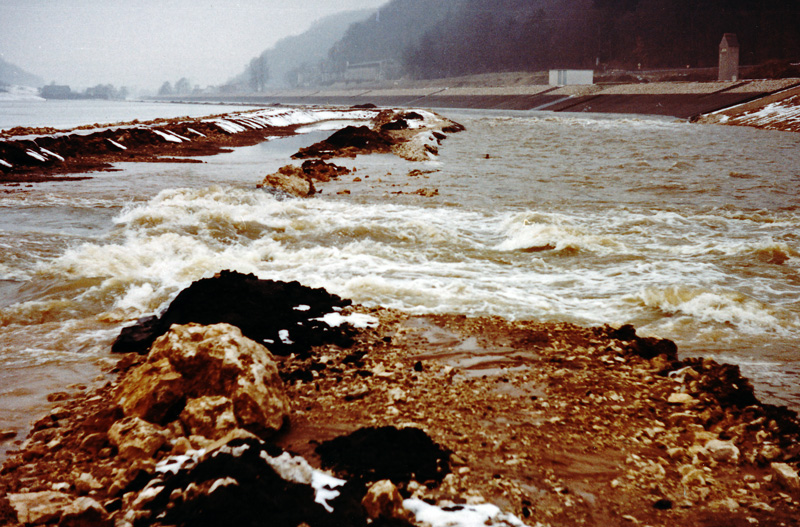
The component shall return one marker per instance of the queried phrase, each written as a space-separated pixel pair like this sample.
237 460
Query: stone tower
729 57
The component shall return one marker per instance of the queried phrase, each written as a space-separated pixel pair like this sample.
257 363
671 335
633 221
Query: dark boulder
399 455
645 347
279 315
322 171
397 124
237 486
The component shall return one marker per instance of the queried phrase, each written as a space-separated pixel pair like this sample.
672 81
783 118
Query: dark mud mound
399 455
348 142
279 315
322 171
645 347
237 486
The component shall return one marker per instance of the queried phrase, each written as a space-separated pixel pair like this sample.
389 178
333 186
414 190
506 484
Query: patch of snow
196 132
20 93
179 136
301 307
222 482
297 470
291 468
327 126
36 156
284 336
228 126
175 463
48 152
461 515
169 137
281 117
324 488
149 493
121 147
6 163
357 320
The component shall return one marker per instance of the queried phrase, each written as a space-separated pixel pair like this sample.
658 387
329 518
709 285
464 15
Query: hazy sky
142 43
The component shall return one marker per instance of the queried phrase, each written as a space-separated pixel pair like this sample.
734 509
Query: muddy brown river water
689 232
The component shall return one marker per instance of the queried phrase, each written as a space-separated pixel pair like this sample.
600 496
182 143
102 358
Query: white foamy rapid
688 232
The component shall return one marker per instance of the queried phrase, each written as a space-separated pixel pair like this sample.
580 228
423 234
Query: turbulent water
689 232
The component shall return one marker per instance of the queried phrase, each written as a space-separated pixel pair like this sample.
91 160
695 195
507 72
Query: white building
565 77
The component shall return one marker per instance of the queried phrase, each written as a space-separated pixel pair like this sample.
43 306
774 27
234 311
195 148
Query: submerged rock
280 315
291 180
299 181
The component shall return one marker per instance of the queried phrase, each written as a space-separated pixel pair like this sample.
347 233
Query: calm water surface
689 232
71 114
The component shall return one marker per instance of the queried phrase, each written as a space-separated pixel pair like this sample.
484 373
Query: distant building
729 58
565 77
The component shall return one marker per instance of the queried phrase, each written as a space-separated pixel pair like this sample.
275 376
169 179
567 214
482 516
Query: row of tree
182 87
101 91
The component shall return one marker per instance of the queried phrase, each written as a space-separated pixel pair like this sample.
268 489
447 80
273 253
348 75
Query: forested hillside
434 38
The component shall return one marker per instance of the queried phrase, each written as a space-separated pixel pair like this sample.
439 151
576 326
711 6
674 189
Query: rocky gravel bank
409 420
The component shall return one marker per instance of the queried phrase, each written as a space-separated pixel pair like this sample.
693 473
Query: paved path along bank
678 99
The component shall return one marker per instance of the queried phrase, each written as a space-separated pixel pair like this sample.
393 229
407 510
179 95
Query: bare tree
258 73
183 86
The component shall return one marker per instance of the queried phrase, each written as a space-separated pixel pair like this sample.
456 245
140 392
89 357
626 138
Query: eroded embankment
42 154
780 111
555 424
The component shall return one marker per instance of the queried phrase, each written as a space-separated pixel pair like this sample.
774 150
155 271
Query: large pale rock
198 367
85 512
383 500
210 416
290 179
723 450
680 398
36 508
152 391
135 438
786 475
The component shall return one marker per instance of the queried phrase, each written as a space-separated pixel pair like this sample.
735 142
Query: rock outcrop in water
299 181
391 132
285 316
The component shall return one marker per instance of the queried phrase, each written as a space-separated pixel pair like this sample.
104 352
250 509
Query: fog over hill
11 74
293 58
